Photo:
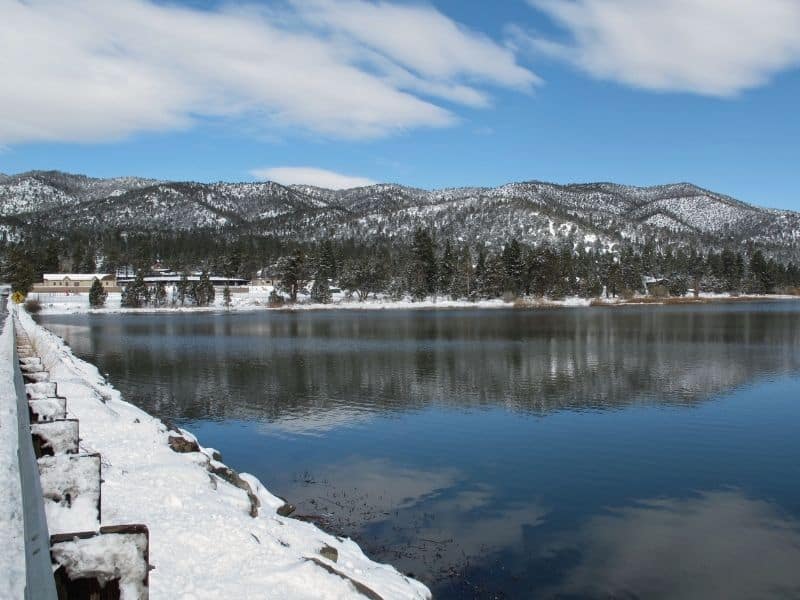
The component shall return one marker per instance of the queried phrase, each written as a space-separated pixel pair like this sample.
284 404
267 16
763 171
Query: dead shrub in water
275 300
33 306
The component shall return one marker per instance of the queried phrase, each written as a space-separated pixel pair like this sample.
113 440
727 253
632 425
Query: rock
360 587
232 477
182 444
329 552
287 509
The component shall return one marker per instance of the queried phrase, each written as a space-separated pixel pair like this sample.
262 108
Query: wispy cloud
92 70
710 47
311 176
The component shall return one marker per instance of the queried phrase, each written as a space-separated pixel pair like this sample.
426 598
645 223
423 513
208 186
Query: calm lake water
648 452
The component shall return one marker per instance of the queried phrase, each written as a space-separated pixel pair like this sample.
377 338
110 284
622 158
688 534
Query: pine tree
136 293
292 273
87 264
19 270
422 273
494 279
567 281
182 288
204 290
326 261
513 268
51 261
320 291
78 251
160 295
479 275
97 294
226 296
462 285
364 276
729 270
761 274
447 269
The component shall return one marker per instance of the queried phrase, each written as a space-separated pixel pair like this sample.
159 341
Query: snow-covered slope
597 213
205 541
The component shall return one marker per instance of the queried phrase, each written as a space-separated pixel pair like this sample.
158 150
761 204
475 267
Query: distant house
237 285
73 283
650 282
267 276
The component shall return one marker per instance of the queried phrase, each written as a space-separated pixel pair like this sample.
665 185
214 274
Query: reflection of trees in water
271 366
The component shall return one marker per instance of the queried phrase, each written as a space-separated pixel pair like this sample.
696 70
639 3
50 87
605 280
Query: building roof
81 276
171 278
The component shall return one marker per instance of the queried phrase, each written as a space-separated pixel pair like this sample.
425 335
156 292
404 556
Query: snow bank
203 543
12 535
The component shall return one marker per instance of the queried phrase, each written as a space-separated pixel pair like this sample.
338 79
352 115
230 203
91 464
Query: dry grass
535 303
692 300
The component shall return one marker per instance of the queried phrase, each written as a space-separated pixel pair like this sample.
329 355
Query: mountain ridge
603 213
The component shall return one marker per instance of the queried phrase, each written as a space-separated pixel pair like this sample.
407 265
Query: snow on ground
203 542
12 538
258 299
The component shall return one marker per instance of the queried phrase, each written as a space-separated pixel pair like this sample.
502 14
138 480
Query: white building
53 283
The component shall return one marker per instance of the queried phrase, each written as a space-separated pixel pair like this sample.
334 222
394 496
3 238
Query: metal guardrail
40 584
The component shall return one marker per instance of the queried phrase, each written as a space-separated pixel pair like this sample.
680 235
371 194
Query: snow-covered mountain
586 214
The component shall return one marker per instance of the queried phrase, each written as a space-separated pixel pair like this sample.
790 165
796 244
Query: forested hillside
530 237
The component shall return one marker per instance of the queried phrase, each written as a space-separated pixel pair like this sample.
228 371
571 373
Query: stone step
47 409
55 437
31 367
47 389
98 564
36 377
71 490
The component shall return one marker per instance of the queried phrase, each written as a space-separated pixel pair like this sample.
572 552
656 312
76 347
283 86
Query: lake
628 452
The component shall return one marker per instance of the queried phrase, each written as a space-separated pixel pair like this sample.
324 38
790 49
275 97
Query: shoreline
213 531
526 303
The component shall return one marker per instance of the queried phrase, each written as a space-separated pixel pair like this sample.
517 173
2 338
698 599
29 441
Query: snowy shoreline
257 303
204 543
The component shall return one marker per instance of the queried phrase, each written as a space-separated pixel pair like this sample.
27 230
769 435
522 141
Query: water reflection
518 454
301 367
718 544
437 520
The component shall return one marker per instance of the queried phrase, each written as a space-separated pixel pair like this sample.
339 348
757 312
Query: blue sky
437 94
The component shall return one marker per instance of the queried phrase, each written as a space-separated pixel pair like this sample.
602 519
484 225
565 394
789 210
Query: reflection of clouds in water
433 520
478 522
317 422
387 486
716 545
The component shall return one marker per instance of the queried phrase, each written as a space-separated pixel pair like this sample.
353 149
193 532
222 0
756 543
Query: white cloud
310 176
420 39
89 70
711 47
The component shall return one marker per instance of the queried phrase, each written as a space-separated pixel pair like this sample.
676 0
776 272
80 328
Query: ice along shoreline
210 535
